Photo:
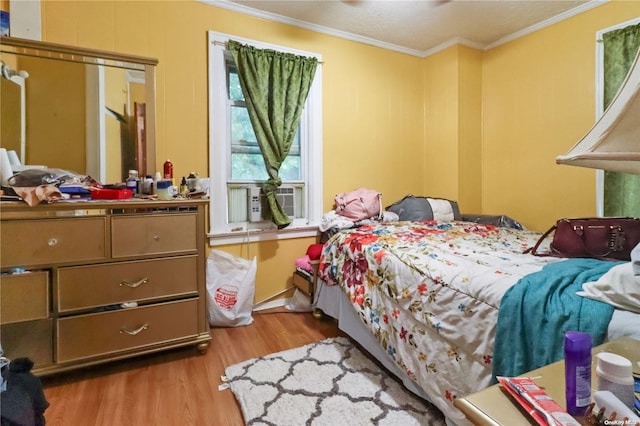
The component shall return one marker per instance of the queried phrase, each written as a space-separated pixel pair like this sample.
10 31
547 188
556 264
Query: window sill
256 235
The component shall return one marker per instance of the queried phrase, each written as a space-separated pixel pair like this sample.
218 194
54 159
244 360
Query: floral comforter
430 292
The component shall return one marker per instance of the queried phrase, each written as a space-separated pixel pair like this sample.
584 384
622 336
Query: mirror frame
41 49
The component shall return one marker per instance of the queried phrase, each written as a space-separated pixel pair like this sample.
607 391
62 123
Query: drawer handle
156 237
134 284
52 242
136 331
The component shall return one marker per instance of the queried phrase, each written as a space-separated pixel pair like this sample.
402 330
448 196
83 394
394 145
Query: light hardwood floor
178 387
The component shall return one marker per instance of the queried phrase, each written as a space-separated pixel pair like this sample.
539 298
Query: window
236 165
618 202
247 163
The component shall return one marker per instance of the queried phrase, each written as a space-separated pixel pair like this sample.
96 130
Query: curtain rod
226 46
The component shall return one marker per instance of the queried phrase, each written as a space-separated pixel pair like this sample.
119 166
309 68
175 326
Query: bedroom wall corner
452 126
441 168
538 101
470 130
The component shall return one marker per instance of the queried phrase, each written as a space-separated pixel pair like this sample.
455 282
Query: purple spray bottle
577 368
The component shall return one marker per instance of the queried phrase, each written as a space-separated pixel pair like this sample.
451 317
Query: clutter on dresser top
48 185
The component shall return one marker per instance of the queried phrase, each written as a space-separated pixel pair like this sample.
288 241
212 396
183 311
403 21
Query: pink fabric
303 263
37 194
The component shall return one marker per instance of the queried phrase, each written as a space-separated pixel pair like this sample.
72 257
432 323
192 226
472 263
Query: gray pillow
412 208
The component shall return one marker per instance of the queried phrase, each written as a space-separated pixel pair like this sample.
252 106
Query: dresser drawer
80 287
302 283
24 297
31 339
153 235
85 336
47 241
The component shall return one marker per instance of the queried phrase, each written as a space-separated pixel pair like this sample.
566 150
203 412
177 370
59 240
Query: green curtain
275 87
621 190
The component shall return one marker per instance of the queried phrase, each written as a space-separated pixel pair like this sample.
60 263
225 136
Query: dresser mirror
86 111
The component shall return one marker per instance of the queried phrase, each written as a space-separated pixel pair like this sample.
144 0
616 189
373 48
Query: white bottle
615 374
148 185
156 178
132 181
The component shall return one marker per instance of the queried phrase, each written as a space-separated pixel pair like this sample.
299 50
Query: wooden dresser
90 282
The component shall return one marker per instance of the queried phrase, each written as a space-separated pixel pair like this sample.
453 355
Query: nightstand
306 284
493 406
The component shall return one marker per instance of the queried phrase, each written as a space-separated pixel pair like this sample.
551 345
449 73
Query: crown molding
235 7
547 23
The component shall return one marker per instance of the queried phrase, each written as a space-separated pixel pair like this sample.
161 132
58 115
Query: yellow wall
480 127
55 99
441 171
116 100
370 98
538 101
470 129
10 117
453 124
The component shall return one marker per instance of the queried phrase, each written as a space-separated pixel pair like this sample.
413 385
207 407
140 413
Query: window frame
221 231
600 100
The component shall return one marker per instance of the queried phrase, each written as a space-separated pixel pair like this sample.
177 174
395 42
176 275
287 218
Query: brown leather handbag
605 238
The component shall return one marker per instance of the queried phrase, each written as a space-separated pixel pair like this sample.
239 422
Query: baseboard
271 304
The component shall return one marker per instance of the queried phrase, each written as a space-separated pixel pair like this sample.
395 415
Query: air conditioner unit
258 210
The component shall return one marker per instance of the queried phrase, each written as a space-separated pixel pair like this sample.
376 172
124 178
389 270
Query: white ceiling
418 27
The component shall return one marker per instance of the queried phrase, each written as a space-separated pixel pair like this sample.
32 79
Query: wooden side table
308 285
493 406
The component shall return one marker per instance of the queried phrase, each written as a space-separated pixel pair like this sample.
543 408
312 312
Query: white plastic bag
231 286
301 302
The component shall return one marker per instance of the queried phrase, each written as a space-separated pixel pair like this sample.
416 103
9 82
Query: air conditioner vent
258 210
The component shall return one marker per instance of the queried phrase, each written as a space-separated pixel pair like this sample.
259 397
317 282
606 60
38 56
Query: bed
424 299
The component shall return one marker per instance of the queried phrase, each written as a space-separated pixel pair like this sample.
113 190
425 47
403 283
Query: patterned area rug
325 383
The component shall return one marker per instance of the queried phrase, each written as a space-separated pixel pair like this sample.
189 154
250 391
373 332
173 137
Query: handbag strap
366 208
534 250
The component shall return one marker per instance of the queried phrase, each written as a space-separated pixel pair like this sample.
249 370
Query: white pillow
618 287
442 209
635 259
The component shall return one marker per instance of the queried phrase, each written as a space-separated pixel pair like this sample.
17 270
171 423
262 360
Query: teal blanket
537 311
